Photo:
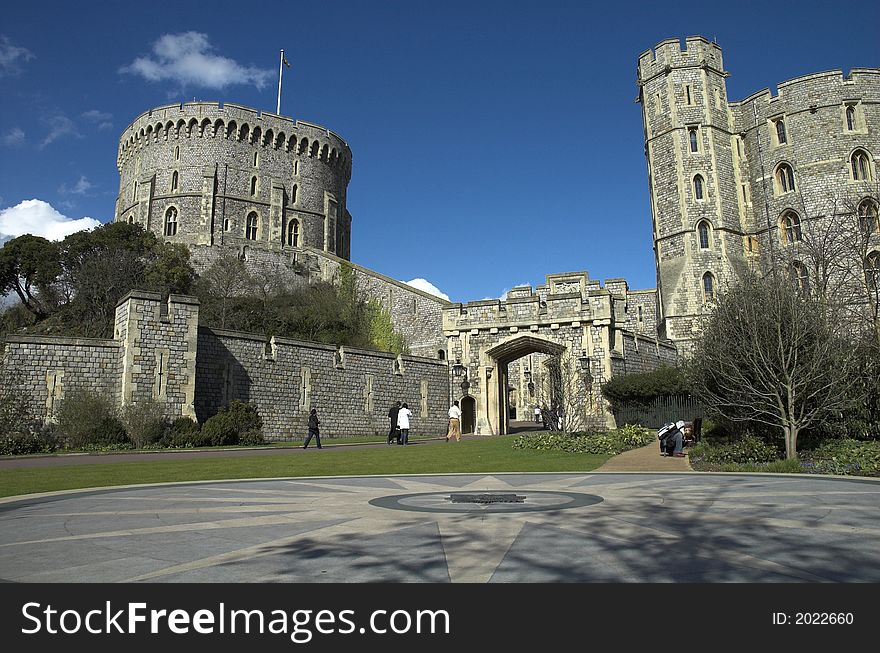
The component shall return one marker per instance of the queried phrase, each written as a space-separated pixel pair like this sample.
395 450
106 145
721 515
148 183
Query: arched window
253 185
225 224
708 287
251 229
694 141
780 131
293 233
861 169
174 181
784 178
799 276
441 354
171 221
293 194
868 217
703 232
872 271
256 159
177 152
131 219
850 117
791 226
698 187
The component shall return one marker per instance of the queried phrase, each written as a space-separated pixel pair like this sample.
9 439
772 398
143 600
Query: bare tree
768 354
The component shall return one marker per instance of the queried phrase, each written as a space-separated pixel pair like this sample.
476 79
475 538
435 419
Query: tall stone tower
693 177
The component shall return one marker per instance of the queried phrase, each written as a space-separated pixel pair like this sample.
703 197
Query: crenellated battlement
861 83
235 122
666 55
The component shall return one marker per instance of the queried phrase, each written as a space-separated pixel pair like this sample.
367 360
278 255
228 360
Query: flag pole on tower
281 64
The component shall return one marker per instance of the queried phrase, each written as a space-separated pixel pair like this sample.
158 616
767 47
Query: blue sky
493 142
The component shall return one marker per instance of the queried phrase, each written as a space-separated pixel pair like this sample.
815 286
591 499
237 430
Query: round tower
693 179
209 174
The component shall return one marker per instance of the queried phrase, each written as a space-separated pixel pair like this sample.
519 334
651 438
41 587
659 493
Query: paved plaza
508 528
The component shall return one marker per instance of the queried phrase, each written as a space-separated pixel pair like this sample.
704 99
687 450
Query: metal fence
660 411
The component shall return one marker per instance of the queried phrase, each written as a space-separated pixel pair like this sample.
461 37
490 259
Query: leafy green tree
29 265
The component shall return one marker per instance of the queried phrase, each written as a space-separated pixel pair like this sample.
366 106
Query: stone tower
693 177
206 174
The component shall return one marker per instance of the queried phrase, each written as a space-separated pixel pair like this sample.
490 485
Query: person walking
454 422
313 429
394 432
403 416
537 414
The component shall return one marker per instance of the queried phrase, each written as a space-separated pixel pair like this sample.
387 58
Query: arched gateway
552 348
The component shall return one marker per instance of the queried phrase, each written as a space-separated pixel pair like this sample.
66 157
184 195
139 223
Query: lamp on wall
460 371
584 363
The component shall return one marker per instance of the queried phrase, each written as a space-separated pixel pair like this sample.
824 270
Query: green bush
252 438
184 433
226 427
607 443
643 388
87 421
744 450
845 456
37 439
144 422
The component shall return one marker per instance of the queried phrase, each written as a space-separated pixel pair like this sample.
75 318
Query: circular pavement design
606 527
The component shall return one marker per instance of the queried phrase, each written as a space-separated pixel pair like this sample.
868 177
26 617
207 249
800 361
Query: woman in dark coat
313 429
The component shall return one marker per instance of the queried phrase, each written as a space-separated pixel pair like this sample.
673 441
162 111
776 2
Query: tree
29 266
768 354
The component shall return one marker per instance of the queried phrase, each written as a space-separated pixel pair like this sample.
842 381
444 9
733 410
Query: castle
732 185
786 180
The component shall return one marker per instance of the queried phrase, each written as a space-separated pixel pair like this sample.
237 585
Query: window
708 287
872 271
171 221
293 233
799 276
698 187
781 138
688 95
658 104
253 185
174 181
861 168
868 217
717 99
225 224
251 229
256 159
791 226
703 232
693 138
850 117
177 152
784 178
131 219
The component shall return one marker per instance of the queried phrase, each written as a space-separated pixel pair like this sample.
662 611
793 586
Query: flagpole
280 72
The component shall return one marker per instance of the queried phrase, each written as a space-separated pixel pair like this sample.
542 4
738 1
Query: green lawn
492 454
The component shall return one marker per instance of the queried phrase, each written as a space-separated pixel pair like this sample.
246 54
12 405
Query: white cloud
14 136
40 219
59 126
11 57
428 287
102 119
79 188
187 59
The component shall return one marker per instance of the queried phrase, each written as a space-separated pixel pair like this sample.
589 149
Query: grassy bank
493 454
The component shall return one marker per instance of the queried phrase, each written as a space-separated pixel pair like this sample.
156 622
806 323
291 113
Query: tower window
872 271
293 233
171 221
784 178
708 287
703 232
698 187
868 217
693 138
799 276
253 185
225 224
781 137
177 152
251 228
861 167
131 219
791 226
174 181
658 104
256 159
688 95
850 117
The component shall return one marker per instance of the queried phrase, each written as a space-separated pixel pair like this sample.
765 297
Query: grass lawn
492 454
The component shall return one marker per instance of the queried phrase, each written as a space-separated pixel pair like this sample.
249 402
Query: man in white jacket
403 423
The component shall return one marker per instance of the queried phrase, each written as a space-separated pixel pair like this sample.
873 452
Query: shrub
643 388
144 423
87 420
607 443
252 438
845 456
748 449
36 439
227 426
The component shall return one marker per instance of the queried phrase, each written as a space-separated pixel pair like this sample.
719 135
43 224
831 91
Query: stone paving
560 527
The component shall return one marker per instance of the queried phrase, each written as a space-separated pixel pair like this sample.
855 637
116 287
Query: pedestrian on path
403 422
394 432
454 422
313 429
